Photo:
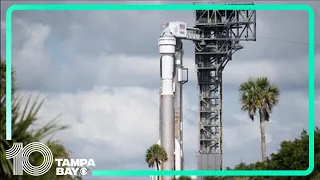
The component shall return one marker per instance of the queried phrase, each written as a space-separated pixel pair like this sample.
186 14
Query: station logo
21 163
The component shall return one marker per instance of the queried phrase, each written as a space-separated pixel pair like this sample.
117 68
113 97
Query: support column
178 102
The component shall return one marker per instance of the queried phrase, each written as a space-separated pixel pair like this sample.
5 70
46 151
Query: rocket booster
167 45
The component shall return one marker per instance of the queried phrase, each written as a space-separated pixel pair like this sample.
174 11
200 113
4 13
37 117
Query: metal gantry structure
217 35
221 33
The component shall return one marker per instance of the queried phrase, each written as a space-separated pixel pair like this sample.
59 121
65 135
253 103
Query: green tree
292 155
156 155
24 117
259 95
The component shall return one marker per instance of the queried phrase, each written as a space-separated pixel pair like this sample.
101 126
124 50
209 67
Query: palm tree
156 155
258 94
23 117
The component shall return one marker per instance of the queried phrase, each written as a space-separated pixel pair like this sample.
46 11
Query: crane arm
180 30
193 34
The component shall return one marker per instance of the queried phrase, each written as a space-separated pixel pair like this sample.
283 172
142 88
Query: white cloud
30 57
245 132
118 69
104 68
119 117
282 72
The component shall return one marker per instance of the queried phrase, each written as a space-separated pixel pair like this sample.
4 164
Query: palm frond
155 154
258 94
23 118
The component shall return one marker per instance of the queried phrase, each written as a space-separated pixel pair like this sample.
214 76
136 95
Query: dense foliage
292 155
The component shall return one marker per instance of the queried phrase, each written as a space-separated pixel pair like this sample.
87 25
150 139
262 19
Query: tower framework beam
220 34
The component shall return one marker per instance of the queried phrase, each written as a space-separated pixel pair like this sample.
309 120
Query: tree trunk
263 137
157 164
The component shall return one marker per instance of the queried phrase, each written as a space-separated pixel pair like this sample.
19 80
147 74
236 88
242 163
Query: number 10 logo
20 156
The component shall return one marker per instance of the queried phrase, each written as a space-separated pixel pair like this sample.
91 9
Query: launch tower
221 33
217 35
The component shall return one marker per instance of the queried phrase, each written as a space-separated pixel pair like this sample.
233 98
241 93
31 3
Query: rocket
170 110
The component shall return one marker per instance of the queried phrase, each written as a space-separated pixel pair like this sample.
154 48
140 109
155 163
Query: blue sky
100 70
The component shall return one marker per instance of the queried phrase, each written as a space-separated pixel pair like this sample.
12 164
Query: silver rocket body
167 135
170 110
167 45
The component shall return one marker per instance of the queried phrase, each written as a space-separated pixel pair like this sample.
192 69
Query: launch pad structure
216 35
221 33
